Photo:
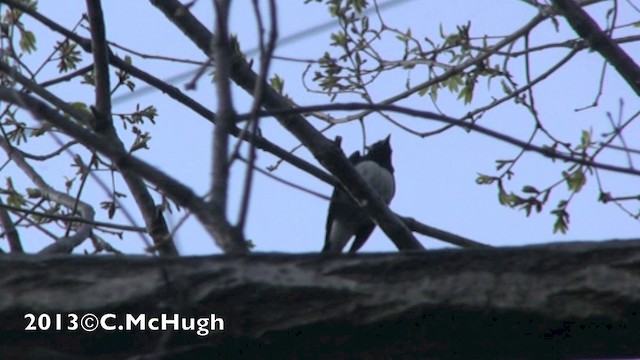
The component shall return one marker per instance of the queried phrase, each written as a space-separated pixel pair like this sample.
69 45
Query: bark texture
577 300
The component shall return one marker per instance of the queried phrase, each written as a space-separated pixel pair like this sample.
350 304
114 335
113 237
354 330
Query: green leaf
560 225
339 39
110 206
27 41
575 181
562 217
585 139
141 141
70 56
466 93
501 163
485 179
277 83
605 197
34 193
503 198
506 88
530 190
562 221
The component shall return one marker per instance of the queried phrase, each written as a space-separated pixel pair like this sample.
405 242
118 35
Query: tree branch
589 30
64 244
209 215
104 123
107 225
10 231
221 54
553 301
550 153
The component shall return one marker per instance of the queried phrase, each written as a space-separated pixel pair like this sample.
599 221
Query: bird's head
380 152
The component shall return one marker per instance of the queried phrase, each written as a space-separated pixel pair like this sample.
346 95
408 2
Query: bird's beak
388 139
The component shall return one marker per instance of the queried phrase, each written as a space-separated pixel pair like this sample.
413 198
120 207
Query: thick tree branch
325 151
589 30
102 110
221 54
562 301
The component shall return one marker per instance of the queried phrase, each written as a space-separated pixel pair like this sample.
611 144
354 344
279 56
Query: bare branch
589 30
221 53
73 219
68 243
550 153
67 77
443 235
266 54
50 155
103 125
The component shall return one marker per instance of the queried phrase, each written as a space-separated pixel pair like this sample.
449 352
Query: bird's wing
340 208
362 234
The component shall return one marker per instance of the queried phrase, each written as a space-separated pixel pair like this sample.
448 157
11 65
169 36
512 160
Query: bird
345 218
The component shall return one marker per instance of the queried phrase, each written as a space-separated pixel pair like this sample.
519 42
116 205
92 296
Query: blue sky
435 176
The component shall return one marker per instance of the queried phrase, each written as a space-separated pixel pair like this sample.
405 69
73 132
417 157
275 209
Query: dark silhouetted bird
346 218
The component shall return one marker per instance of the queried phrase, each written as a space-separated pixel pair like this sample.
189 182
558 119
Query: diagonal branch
598 40
209 215
544 151
325 151
64 244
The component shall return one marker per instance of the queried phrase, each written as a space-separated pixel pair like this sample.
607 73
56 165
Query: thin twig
550 153
266 54
74 219
66 244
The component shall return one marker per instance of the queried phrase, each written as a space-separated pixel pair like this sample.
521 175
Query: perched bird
346 218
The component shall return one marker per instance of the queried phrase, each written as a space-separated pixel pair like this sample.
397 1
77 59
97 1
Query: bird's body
346 218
